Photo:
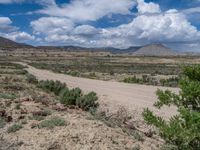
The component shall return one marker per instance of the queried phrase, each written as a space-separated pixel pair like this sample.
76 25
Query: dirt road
132 96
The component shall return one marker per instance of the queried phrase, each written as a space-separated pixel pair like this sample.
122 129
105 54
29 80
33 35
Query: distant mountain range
147 50
9 44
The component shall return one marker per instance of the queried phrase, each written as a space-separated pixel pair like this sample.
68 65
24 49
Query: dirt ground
80 132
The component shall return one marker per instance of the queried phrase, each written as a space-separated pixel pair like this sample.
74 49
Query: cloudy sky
102 23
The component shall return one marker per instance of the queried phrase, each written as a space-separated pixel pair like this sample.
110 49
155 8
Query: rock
34 125
2 113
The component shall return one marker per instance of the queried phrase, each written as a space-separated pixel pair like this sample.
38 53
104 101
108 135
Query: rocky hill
155 50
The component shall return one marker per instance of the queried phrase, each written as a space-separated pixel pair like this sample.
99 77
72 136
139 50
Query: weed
36 117
137 147
51 123
14 128
88 101
10 96
137 136
17 106
31 79
2 123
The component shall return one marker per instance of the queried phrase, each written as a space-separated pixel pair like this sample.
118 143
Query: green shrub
17 106
2 123
69 97
133 79
36 117
53 122
137 136
183 129
52 86
171 82
31 79
58 87
137 147
88 101
14 128
10 96
73 73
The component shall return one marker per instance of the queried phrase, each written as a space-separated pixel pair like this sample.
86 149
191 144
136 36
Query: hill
155 50
113 50
148 50
9 44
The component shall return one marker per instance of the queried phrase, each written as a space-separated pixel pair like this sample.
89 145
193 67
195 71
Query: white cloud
11 32
19 36
5 21
41 2
10 1
89 10
165 27
150 25
5 25
144 7
52 25
86 30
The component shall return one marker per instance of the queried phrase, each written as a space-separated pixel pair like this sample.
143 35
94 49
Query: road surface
132 96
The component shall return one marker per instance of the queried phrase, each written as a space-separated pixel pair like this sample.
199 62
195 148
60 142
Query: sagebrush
183 129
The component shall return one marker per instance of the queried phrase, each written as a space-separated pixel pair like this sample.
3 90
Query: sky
102 23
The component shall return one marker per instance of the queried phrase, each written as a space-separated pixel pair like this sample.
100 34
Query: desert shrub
14 87
14 128
52 86
58 87
36 117
137 147
31 79
138 136
73 73
183 129
133 79
17 106
10 96
171 82
69 97
2 123
53 122
88 101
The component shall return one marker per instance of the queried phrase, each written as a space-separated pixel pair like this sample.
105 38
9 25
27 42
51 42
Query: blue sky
105 23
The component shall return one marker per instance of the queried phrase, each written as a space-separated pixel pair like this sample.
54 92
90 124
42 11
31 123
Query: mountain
154 50
113 50
9 44
148 50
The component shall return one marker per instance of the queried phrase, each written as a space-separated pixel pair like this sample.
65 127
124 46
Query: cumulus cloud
85 30
5 21
10 1
5 25
41 2
150 25
52 25
89 10
144 7
19 36
144 29
12 32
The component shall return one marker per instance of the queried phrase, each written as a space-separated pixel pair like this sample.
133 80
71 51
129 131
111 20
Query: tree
182 130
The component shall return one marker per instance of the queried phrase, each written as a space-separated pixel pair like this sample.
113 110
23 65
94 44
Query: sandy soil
132 96
81 132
